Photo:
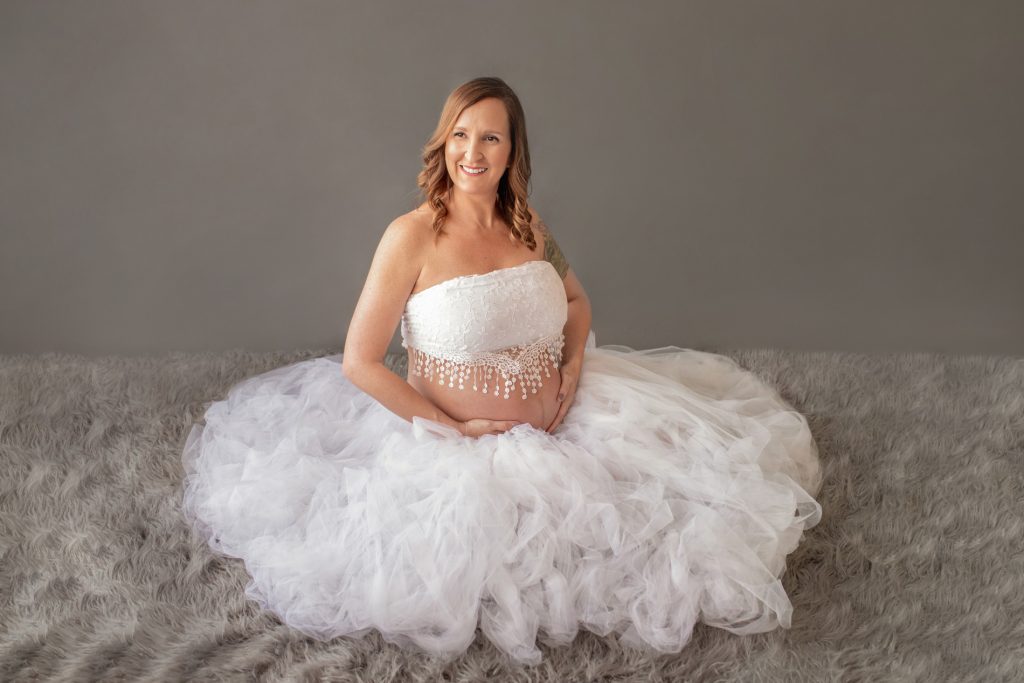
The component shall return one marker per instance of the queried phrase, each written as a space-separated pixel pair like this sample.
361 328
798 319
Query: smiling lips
473 170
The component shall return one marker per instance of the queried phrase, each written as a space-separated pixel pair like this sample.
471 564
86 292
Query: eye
489 137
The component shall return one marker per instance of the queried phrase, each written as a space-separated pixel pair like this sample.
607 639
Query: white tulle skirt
672 493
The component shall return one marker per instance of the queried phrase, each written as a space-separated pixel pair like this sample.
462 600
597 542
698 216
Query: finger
558 418
563 388
562 410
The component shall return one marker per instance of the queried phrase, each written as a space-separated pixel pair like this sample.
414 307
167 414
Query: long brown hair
513 188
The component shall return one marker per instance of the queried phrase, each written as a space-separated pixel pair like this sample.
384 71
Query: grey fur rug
915 572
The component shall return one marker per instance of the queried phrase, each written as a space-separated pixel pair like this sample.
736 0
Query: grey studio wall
204 175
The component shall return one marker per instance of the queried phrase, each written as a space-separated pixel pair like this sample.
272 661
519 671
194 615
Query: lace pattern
520 365
492 331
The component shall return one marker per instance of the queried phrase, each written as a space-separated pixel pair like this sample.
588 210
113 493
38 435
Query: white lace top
491 331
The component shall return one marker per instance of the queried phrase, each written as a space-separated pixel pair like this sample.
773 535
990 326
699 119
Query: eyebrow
494 132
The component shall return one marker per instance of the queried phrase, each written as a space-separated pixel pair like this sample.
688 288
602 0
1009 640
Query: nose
471 150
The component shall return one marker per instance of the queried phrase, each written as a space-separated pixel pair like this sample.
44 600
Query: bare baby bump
538 409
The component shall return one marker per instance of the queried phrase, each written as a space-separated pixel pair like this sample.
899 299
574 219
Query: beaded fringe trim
516 364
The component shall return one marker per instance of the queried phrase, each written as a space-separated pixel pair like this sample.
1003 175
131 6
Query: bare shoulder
414 226
399 256
540 229
535 222
547 245
408 236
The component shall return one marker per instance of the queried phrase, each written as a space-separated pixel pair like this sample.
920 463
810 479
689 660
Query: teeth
474 172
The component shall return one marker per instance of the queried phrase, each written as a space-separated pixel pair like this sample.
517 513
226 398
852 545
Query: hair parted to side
513 188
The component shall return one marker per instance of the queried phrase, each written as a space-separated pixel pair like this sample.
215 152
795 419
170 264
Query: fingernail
561 397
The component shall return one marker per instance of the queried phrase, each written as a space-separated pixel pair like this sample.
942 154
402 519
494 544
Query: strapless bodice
508 321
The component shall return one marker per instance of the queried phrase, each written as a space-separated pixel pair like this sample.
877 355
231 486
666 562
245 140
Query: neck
480 211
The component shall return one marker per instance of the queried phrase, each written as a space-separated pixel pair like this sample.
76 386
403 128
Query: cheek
452 154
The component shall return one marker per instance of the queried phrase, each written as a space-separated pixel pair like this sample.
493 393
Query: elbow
355 369
349 367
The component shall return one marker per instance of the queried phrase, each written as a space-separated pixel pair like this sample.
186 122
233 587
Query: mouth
473 170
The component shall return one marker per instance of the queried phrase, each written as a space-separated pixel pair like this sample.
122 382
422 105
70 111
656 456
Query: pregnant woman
521 480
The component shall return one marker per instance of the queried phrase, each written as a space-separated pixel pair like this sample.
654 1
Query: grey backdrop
203 175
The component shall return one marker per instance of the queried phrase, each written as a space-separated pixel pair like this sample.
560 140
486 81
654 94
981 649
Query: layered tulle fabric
672 493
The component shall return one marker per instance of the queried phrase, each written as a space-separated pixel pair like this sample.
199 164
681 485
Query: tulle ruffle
672 493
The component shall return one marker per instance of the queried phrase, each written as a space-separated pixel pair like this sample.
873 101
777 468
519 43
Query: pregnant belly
465 404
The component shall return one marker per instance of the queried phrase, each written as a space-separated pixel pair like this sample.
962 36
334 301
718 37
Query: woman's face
479 140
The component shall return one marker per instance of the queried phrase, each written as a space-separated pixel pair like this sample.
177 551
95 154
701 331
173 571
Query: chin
470 188
478 190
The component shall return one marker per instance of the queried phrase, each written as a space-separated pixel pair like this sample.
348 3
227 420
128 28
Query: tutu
671 493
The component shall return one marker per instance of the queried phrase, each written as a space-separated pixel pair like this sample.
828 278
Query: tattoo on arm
552 253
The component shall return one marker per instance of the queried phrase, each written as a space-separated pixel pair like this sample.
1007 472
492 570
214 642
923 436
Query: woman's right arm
393 273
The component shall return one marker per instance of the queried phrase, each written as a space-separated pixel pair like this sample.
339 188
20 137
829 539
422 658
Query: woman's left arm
577 327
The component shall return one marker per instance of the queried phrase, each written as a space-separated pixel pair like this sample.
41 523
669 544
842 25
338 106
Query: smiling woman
522 347
521 480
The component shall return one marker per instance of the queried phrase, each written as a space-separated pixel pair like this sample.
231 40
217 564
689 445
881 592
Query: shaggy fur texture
915 572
